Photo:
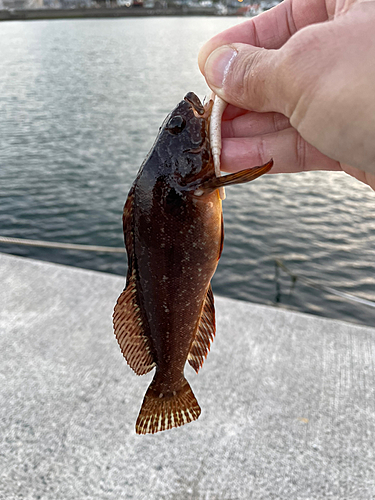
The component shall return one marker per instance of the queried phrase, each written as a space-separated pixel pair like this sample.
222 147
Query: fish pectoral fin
240 177
201 344
160 412
131 331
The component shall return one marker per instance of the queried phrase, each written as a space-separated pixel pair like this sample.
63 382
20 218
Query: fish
173 232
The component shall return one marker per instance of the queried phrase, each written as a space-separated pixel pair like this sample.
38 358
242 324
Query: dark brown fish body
183 248
173 235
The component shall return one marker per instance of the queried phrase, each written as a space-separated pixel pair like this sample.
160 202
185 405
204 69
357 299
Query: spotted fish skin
173 238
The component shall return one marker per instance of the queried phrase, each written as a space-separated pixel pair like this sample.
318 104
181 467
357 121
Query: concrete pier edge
288 401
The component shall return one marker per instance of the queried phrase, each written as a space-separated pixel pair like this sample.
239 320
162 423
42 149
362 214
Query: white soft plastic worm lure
215 135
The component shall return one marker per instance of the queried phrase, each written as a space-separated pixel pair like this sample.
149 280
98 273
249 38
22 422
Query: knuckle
262 151
280 122
252 72
244 73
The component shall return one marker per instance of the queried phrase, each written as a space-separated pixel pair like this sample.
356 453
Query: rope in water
65 246
95 248
348 296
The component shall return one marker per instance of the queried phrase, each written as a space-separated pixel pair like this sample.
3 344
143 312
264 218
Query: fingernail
218 64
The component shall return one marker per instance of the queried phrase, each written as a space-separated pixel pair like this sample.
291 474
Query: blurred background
81 102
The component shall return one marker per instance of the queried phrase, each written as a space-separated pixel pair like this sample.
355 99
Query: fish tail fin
160 412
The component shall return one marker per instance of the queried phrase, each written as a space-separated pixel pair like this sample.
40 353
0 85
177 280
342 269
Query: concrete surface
288 401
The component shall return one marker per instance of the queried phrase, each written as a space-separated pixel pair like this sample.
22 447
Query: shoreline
103 12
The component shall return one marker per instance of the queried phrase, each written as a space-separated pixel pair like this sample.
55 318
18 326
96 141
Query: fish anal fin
131 330
162 412
201 344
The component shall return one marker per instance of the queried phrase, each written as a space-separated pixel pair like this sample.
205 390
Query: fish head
183 144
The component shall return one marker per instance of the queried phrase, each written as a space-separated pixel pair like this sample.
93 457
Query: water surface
80 105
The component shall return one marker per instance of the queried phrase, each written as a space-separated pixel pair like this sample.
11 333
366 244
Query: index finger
271 29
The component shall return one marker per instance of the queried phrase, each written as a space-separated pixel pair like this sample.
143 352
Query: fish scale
173 231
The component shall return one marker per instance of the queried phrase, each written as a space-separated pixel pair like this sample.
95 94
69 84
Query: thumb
245 76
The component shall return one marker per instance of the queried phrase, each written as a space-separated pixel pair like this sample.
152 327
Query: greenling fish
173 229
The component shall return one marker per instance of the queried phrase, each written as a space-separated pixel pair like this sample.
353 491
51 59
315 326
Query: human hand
300 80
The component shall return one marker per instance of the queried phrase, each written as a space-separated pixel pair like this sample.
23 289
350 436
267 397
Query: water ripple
81 103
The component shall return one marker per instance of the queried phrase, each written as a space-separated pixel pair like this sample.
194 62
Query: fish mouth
200 110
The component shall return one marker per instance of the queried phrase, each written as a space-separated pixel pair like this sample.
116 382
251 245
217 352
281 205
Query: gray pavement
288 401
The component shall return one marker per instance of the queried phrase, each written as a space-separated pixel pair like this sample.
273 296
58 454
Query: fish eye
176 124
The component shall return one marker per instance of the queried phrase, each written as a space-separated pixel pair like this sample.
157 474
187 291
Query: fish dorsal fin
130 327
205 333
